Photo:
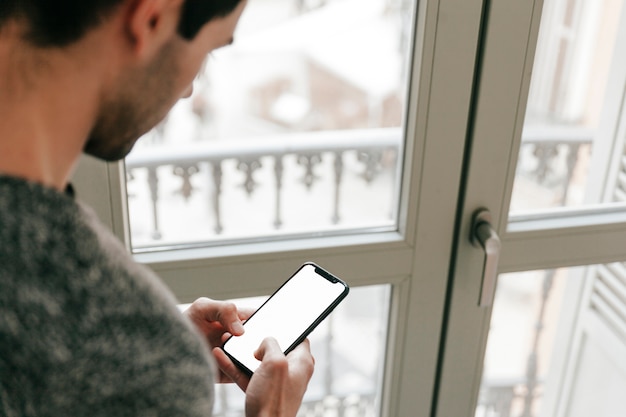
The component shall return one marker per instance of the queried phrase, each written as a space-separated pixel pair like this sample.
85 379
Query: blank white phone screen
286 315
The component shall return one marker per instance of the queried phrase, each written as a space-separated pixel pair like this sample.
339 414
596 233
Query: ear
150 23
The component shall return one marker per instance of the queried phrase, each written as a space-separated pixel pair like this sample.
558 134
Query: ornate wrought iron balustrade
374 149
549 156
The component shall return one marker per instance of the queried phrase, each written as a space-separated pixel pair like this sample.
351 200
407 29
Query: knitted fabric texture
84 330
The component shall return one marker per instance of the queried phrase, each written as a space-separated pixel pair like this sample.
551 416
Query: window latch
484 236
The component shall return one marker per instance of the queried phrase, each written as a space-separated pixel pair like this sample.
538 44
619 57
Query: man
83 329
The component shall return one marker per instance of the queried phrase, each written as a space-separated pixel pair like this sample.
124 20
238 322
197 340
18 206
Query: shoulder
83 329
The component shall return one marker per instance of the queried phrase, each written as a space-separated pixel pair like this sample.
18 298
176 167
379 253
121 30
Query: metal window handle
483 235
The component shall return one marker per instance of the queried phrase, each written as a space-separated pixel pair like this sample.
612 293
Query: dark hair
196 13
56 23
62 22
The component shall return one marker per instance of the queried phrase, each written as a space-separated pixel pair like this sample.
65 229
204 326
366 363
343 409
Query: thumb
269 347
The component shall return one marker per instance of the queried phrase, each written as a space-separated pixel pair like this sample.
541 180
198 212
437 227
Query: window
407 251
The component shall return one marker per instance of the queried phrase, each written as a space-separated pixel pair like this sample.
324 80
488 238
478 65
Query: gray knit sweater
84 330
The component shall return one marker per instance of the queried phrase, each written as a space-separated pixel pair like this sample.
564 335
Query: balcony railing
548 158
370 151
507 398
550 155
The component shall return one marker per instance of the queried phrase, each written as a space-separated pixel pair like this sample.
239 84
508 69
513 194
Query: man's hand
217 321
278 385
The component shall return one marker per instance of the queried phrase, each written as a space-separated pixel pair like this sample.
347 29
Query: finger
302 358
224 312
269 348
305 345
274 366
225 337
231 370
245 313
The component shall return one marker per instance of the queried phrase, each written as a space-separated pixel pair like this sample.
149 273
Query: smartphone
289 315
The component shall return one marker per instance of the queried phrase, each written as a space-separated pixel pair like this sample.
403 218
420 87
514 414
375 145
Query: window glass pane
295 129
349 350
572 138
557 344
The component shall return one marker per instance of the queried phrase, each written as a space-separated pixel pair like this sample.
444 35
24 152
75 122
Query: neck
44 119
29 147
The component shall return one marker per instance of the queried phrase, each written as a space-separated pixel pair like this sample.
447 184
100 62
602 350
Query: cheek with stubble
115 134
141 101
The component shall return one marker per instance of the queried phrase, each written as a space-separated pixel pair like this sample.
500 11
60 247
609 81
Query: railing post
309 160
248 166
571 161
371 158
186 171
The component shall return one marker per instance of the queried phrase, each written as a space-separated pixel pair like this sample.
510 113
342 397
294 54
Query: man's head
147 93
158 48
